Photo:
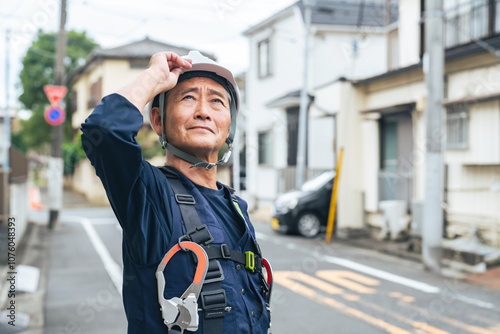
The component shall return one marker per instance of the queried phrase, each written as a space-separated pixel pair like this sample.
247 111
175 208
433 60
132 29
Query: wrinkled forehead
198 84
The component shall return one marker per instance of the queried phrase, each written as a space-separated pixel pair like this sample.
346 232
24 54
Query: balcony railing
286 177
469 21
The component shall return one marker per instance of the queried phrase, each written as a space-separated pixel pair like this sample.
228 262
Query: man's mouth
202 128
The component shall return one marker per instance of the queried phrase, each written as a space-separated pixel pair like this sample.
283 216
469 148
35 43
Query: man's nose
202 110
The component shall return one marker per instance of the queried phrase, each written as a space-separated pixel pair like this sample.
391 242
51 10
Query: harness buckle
214 303
201 235
250 261
185 199
214 272
224 250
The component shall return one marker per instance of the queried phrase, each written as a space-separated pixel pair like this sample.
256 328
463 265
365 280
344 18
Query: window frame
265 150
459 115
268 71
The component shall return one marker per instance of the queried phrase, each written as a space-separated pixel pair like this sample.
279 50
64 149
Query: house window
138 63
264 58
457 128
389 146
495 14
265 148
292 120
95 94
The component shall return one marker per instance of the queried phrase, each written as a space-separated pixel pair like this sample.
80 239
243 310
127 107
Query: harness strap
185 201
251 261
213 297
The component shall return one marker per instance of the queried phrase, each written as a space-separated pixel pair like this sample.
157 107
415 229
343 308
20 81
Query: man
193 111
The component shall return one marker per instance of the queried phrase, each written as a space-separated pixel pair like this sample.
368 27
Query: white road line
104 221
424 287
361 268
476 302
112 268
94 221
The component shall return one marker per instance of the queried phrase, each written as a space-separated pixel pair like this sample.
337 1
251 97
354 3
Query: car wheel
308 224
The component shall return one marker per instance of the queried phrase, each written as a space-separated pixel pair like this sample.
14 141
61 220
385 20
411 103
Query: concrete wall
350 196
86 182
19 207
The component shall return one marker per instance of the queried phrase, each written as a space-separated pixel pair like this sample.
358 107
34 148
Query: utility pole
304 99
6 119
432 233
4 174
56 166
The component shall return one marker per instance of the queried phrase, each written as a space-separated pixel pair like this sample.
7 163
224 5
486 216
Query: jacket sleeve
108 139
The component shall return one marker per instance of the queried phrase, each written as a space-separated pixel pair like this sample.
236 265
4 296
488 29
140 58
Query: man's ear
156 120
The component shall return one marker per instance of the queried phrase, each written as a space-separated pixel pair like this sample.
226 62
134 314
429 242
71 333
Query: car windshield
318 182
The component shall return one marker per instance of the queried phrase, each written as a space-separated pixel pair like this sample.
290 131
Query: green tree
38 70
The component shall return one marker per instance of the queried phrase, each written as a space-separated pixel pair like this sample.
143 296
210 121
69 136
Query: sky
214 26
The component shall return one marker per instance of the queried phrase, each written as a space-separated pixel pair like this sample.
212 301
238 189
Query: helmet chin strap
197 162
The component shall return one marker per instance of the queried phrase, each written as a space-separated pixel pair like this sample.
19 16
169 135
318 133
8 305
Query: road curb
32 251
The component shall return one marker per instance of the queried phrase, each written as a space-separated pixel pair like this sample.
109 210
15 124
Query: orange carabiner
183 311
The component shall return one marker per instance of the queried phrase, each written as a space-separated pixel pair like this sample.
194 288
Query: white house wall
484 137
481 80
82 93
350 199
409 32
333 55
321 141
322 127
116 74
286 54
371 160
395 94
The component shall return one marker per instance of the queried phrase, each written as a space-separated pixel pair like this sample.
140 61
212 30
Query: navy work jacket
144 204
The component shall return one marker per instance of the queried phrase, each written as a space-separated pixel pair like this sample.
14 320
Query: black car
304 211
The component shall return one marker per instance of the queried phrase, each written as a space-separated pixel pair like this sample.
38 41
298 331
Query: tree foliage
38 70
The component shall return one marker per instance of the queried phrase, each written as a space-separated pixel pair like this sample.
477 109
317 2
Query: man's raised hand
169 65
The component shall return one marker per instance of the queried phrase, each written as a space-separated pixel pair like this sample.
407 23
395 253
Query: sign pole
56 166
333 200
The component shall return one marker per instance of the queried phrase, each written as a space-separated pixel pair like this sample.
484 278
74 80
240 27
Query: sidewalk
32 251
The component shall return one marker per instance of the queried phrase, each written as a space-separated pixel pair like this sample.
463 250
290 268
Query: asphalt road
318 288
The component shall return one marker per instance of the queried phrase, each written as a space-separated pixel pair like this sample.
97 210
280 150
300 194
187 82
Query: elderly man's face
198 117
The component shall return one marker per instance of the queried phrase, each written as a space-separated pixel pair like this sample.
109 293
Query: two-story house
381 124
344 37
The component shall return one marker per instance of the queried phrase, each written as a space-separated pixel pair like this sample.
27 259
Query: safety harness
212 297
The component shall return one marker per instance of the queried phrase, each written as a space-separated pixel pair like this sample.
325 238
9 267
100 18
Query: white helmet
202 67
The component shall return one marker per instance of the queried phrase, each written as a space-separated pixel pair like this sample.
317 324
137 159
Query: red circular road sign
54 115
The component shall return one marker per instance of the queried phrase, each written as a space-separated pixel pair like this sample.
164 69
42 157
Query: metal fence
287 177
395 186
